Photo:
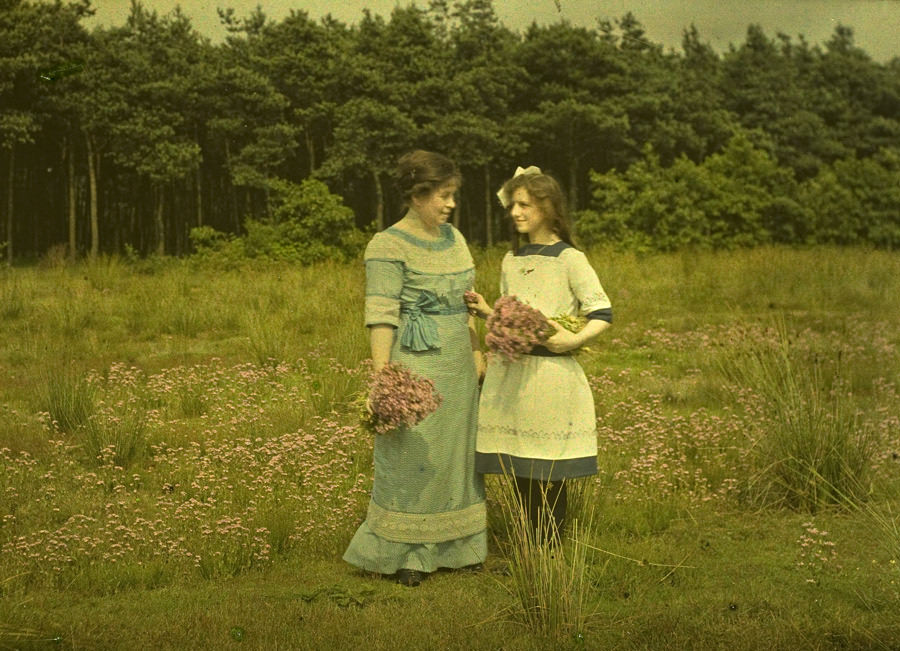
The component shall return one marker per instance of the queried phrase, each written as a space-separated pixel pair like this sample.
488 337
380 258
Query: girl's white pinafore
536 416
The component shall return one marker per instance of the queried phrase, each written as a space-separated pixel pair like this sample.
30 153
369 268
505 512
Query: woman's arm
381 340
480 365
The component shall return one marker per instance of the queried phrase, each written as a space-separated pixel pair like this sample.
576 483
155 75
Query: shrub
217 249
739 197
857 200
307 224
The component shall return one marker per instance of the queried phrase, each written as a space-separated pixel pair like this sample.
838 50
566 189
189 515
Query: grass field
180 467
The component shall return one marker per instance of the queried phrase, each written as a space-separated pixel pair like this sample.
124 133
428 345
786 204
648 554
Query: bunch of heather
515 328
399 398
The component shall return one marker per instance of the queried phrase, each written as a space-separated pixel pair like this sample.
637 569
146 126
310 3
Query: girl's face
528 217
436 208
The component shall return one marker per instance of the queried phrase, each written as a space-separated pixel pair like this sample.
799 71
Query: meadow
181 467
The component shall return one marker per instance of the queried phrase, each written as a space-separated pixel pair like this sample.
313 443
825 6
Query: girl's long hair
546 193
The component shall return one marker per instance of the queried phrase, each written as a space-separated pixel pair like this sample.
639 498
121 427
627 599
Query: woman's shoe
501 569
409 578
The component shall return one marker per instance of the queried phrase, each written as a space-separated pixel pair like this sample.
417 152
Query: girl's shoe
410 578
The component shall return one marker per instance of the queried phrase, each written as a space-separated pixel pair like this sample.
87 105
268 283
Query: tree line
128 138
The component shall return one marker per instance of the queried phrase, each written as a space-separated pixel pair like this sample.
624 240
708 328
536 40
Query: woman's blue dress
427 505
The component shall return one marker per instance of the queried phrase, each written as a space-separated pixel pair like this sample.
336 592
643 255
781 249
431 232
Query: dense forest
147 138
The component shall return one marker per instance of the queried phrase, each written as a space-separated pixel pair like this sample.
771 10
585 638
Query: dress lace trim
485 429
426 527
596 298
445 241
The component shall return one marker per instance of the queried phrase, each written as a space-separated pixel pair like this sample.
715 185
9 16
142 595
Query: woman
427 505
536 419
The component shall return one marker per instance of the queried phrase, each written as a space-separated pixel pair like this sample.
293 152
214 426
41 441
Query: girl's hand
480 366
563 340
477 305
369 406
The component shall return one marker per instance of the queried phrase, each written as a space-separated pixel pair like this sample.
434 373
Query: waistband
542 351
412 309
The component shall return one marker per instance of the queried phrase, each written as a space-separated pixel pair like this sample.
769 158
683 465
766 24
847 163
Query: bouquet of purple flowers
399 398
515 328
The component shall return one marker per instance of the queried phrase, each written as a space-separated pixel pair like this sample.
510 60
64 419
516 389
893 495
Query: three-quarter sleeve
583 281
384 281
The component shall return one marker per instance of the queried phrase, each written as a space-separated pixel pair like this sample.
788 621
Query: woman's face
527 215
435 209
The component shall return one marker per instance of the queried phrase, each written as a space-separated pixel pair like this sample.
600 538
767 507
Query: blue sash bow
421 332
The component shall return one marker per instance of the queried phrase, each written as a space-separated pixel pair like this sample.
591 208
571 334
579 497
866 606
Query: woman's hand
563 340
477 305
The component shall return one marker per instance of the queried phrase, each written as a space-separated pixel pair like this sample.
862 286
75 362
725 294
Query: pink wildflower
515 328
399 398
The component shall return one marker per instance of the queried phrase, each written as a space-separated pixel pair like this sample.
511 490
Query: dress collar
551 250
445 240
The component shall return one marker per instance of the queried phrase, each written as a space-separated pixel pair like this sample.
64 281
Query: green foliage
217 249
174 131
856 201
738 197
307 224
742 197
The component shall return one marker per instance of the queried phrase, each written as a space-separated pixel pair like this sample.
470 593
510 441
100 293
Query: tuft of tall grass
15 637
185 319
104 273
812 445
332 386
888 525
109 427
581 498
266 341
191 401
114 439
77 314
69 398
550 578
881 518
12 298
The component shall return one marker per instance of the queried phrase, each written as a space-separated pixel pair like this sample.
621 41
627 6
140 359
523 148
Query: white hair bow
531 169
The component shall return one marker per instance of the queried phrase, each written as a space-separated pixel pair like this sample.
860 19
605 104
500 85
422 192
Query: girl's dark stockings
534 494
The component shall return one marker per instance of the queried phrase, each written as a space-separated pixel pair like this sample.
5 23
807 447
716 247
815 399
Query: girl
536 418
427 505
